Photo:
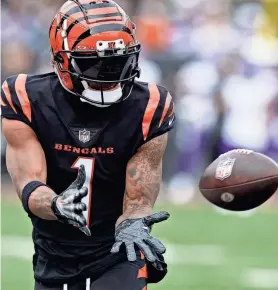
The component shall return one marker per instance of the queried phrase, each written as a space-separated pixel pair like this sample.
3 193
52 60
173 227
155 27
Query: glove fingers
156 245
156 218
85 230
146 251
116 247
80 179
79 219
131 254
79 207
69 195
80 194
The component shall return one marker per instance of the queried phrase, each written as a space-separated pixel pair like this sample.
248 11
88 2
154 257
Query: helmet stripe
93 17
91 7
66 7
93 12
110 27
81 37
100 29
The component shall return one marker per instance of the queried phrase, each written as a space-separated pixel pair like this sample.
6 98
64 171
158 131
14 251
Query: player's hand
68 207
136 232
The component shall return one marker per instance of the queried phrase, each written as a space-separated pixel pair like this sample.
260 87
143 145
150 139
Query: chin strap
100 96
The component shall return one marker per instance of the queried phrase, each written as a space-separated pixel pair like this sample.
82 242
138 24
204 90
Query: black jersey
71 133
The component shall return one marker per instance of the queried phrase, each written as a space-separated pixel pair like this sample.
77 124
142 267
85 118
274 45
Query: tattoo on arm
143 179
40 203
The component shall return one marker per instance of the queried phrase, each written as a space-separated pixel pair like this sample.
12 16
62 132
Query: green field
206 250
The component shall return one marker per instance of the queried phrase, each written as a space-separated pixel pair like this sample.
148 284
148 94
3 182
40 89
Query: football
240 180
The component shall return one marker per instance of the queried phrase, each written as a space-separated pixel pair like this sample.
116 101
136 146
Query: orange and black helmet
93 44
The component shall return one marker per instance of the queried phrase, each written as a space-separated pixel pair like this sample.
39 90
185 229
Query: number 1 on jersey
89 164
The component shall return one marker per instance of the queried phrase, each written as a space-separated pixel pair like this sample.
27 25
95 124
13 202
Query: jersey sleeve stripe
150 109
166 108
6 90
20 88
143 272
2 102
172 112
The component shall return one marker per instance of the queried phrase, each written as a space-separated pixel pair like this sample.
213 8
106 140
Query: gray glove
68 207
136 232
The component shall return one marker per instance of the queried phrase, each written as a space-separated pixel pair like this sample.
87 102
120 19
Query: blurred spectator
16 57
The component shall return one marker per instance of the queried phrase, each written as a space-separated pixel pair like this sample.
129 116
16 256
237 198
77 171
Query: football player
84 151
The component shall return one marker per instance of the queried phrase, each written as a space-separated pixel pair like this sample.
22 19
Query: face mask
111 96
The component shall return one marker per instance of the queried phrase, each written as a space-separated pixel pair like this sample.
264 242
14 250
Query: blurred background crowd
218 58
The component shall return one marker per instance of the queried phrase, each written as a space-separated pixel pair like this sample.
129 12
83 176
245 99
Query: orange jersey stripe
143 273
145 288
20 88
90 196
150 110
5 88
166 108
2 102
172 112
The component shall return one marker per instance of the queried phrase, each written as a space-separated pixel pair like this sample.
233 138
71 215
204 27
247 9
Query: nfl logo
84 136
224 168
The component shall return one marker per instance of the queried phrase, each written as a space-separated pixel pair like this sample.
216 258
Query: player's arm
27 166
143 178
25 163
